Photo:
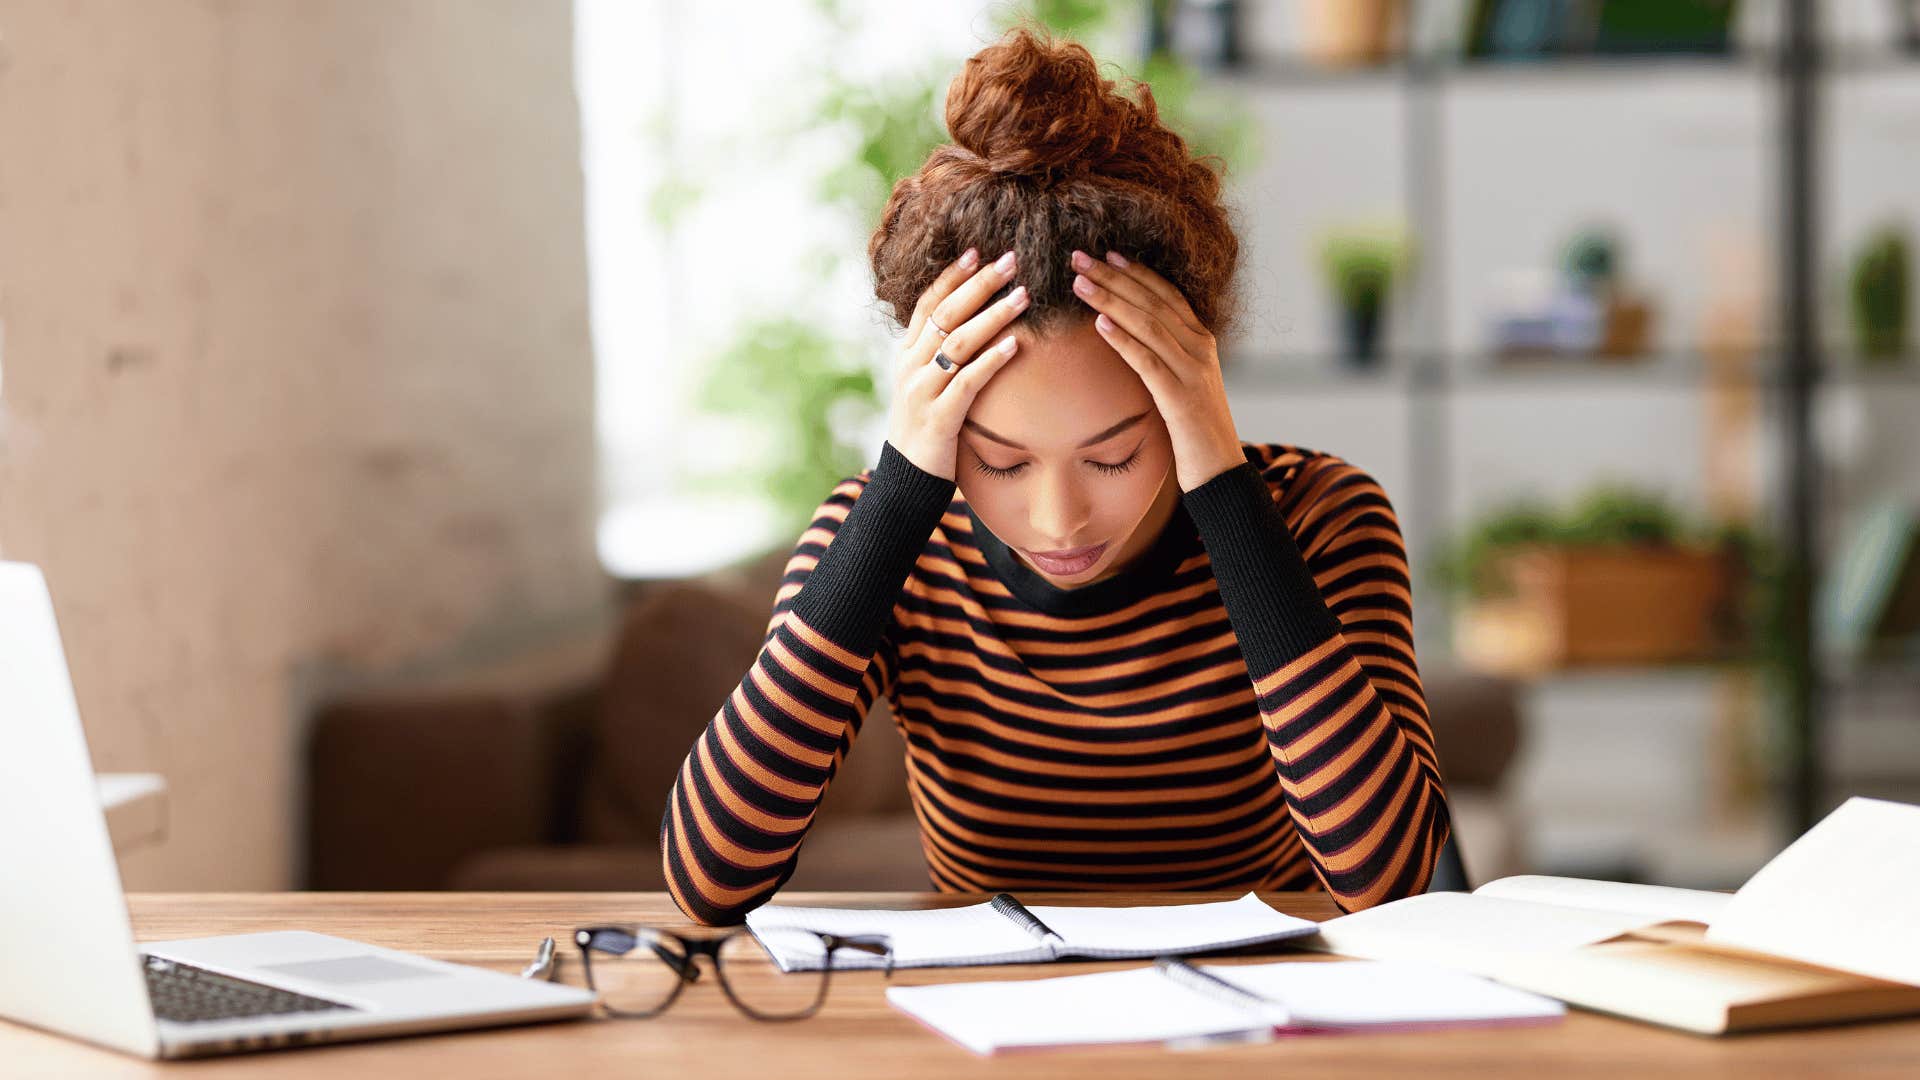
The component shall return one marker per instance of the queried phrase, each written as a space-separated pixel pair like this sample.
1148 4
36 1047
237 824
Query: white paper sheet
1656 902
1141 1004
1116 1006
1182 928
1467 931
961 935
1365 993
1843 895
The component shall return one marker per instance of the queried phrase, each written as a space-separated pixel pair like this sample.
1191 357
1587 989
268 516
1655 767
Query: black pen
1005 904
1205 982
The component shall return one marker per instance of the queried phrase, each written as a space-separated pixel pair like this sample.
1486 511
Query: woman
1126 649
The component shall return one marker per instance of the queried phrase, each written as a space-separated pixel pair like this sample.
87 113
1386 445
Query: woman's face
1063 450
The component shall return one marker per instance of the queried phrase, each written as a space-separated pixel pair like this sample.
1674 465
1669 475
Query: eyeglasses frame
658 940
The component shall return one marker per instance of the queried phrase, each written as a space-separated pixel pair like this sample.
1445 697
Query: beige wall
297 377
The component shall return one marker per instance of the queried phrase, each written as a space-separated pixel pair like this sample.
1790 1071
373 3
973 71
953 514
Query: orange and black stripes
1240 708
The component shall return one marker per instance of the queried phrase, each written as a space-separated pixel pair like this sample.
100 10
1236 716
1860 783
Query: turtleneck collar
1144 576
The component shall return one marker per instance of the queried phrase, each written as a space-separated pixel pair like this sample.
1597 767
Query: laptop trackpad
355 970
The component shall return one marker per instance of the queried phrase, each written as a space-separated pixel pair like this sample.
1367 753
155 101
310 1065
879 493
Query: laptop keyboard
184 993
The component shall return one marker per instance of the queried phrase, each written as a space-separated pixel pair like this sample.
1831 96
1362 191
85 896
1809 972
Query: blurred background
412 403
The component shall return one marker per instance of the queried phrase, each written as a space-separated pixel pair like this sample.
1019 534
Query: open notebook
1184 1004
1003 931
1828 930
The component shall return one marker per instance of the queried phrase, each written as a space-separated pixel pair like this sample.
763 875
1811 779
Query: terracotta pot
1348 32
1599 605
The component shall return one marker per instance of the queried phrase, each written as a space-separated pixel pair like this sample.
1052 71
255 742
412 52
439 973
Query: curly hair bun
1048 157
1030 106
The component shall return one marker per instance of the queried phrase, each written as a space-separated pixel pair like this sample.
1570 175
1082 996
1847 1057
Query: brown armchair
553 774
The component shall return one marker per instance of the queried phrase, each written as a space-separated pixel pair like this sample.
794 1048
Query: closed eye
991 471
1117 469
1111 469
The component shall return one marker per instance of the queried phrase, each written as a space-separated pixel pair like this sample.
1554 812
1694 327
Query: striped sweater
1237 709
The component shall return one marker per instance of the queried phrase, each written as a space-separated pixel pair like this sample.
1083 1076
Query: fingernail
1117 259
1005 265
1105 324
1008 344
970 259
1080 260
1018 296
1081 285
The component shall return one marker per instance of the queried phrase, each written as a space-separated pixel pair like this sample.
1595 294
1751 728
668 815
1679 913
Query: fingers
974 339
965 299
1145 362
1161 287
1139 323
943 286
1111 280
919 352
970 337
969 378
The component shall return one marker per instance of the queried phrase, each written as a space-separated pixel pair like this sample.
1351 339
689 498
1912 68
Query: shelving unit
1789 371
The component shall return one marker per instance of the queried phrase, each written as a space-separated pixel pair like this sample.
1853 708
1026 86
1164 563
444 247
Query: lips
1067 561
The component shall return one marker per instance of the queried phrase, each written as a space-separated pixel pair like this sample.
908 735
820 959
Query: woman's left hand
1152 327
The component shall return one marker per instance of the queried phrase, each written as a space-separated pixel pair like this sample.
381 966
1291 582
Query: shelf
1427 372
1872 677
1299 72
1298 372
1791 70
1876 677
1714 667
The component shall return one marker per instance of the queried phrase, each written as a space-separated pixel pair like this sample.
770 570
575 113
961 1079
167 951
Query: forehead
1060 389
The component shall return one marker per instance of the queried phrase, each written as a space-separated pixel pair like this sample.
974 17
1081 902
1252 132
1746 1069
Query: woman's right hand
930 402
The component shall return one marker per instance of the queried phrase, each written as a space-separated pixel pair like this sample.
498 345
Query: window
700 112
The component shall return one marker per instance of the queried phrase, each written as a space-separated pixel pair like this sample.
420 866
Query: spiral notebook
1005 931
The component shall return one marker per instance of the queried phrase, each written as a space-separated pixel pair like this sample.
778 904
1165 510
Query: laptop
68 961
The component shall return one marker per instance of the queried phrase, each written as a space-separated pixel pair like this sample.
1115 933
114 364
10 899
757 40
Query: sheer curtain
697 114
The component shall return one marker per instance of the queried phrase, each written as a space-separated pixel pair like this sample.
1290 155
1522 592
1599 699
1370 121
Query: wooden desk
857 1034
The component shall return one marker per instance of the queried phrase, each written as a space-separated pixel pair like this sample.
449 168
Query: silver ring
936 327
945 362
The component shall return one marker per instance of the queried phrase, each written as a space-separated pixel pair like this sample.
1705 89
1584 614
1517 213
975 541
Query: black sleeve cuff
1274 606
850 593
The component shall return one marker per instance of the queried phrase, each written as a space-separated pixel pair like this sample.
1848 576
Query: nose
1058 513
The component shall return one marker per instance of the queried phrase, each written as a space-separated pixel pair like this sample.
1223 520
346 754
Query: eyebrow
1102 437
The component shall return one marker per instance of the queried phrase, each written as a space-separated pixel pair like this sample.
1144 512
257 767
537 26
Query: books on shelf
1004 931
1194 1004
1826 931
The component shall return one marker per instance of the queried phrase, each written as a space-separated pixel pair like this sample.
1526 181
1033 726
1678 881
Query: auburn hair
1048 156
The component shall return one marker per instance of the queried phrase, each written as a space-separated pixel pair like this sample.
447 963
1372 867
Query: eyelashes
991 471
1111 470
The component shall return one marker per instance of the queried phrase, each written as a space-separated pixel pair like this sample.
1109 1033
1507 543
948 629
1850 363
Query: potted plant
1877 292
1360 264
1617 577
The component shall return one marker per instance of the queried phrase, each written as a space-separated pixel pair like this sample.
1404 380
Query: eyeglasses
639 970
